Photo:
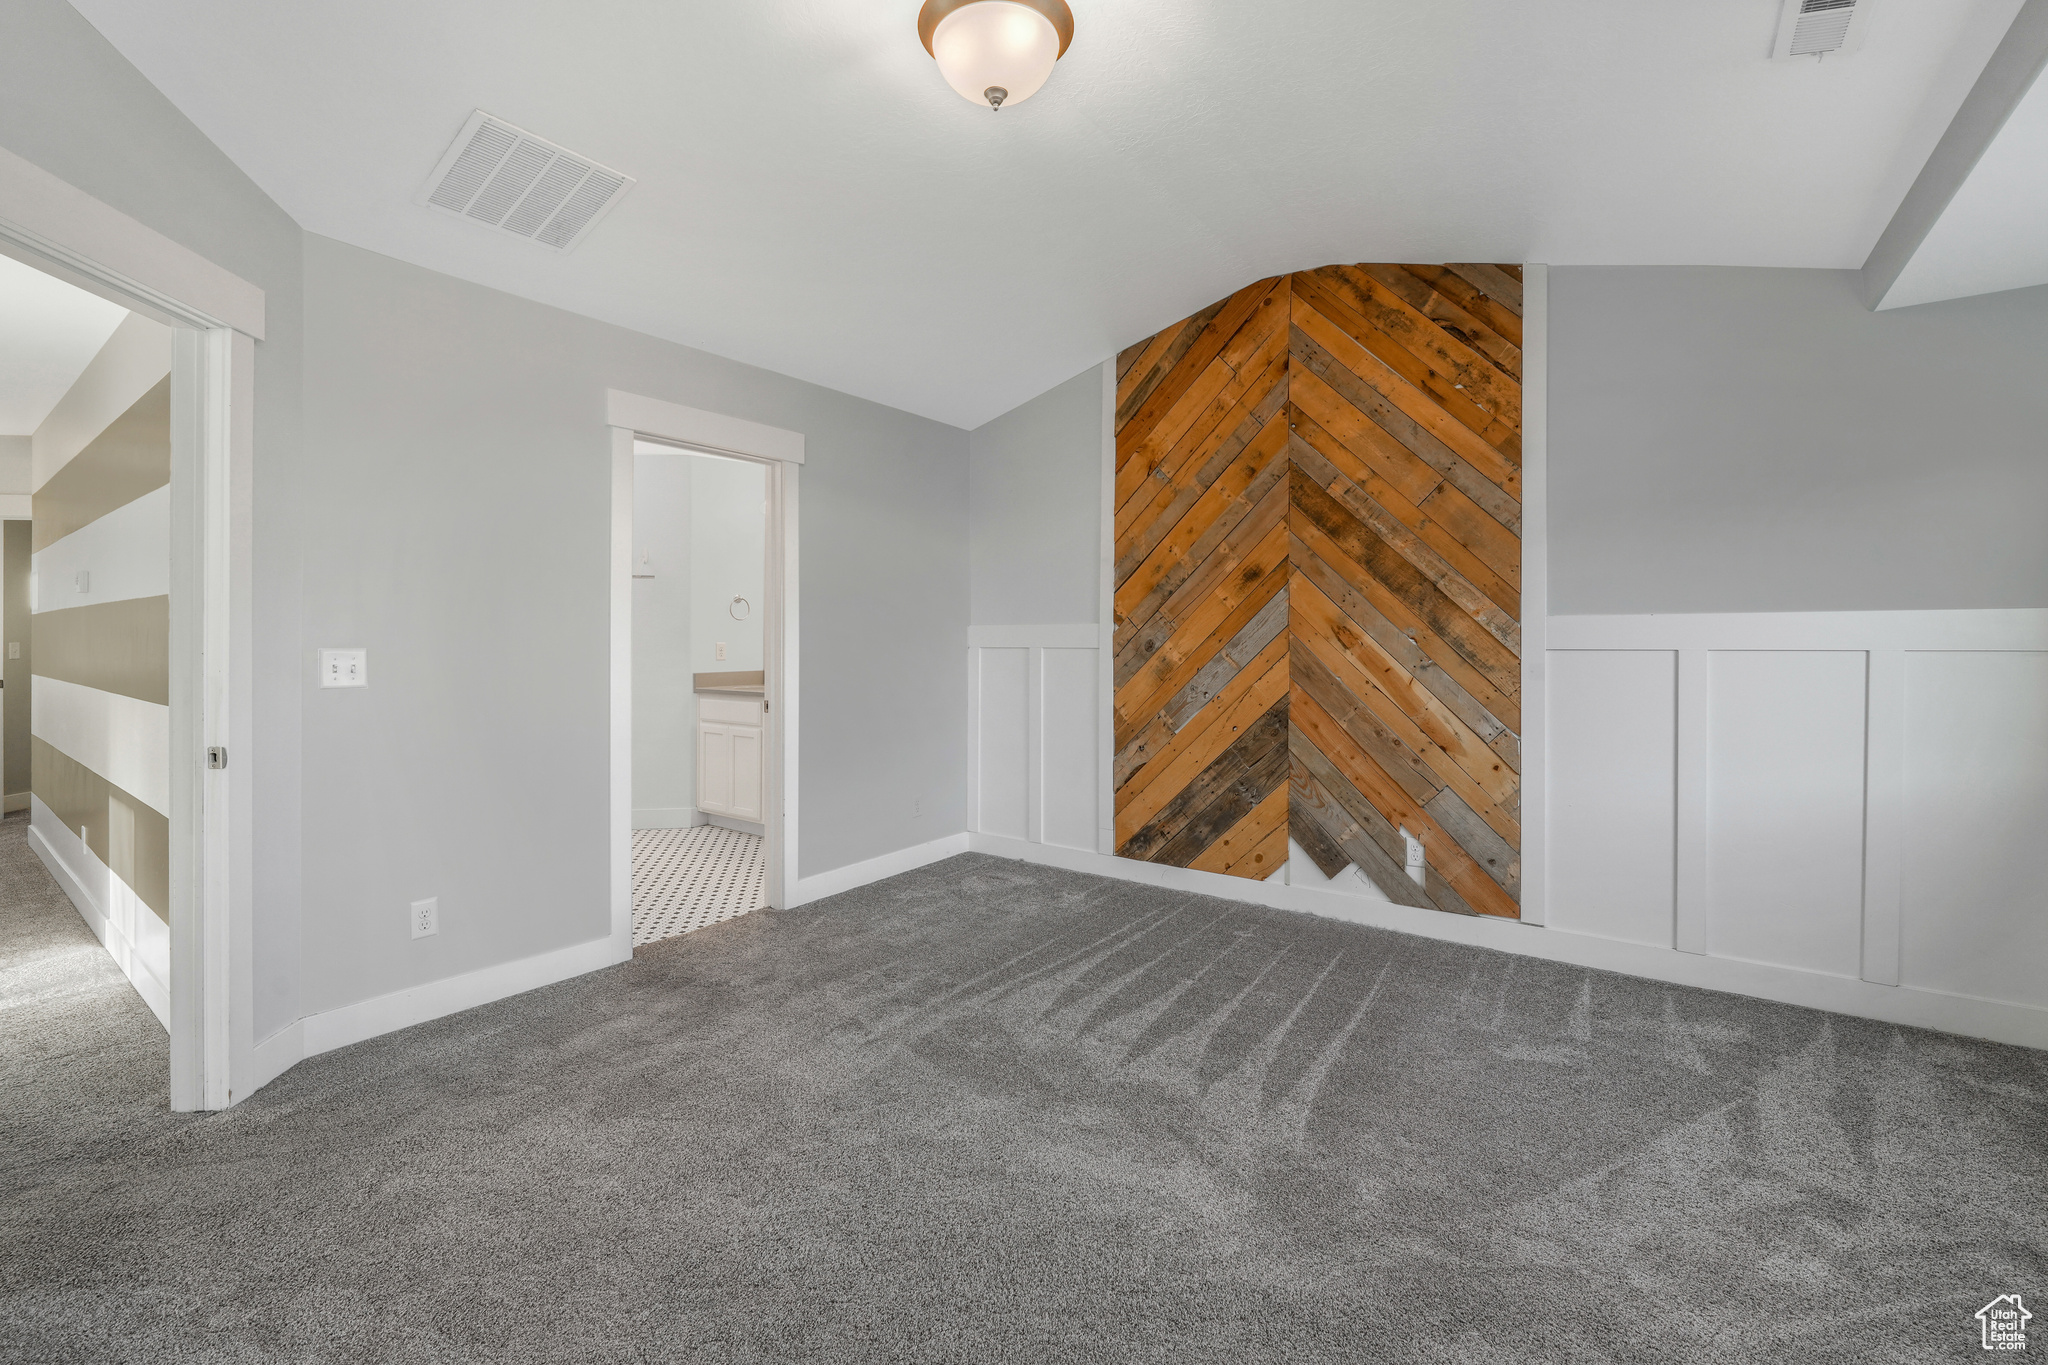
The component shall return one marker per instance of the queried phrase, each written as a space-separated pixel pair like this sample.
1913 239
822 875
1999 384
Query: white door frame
633 417
218 318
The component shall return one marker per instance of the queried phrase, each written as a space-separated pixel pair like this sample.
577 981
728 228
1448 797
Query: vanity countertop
751 684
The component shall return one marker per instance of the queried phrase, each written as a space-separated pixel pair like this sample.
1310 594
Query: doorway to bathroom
700 688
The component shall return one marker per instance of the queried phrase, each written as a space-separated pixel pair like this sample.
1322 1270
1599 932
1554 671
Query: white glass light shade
996 45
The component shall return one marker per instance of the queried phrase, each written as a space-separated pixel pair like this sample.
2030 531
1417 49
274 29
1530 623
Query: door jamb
218 317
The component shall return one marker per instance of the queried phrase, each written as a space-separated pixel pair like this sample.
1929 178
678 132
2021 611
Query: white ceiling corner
812 197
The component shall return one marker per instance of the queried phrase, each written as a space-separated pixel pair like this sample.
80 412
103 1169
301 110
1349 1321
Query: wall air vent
505 177
1821 28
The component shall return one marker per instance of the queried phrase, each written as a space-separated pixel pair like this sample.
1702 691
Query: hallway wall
100 716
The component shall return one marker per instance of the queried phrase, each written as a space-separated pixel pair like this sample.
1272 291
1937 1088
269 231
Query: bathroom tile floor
684 879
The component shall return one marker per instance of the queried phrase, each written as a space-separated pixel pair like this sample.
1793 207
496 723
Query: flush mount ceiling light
996 52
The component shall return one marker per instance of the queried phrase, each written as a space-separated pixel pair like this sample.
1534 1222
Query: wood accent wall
1318 582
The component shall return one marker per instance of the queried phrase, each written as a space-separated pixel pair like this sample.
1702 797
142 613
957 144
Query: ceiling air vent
505 177
1820 28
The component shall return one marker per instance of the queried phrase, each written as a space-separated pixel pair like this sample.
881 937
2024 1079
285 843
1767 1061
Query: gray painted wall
664 703
1727 439
1035 508
457 507
728 559
74 106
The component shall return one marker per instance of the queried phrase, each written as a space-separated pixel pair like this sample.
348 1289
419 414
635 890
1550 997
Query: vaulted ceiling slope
812 198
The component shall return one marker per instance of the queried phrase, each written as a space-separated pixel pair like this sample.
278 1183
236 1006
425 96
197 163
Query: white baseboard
151 979
433 999
753 827
668 817
13 802
271 1058
1998 1021
875 869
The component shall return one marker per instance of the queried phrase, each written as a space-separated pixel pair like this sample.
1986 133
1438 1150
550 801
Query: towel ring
740 602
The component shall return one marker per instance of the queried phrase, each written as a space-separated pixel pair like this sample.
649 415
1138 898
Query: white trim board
860 874
57 228
133 936
2006 628
666 421
1535 608
1997 1021
668 817
431 1000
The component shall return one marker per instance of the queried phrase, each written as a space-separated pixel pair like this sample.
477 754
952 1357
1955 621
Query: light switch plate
344 668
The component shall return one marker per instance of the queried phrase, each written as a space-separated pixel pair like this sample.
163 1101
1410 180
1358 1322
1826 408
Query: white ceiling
1994 233
49 332
813 198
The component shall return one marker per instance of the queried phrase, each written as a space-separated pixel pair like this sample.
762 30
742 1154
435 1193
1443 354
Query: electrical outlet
1418 863
426 917
344 668
720 652
917 805
84 580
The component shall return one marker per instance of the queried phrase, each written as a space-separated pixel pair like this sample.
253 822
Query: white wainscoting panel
1002 786
1853 795
1784 810
1067 764
1033 734
1612 792
1975 818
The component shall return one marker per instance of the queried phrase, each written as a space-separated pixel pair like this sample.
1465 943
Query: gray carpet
993 1112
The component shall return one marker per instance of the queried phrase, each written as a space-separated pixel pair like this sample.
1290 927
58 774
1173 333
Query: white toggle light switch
643 565
344 668
84 580
14 649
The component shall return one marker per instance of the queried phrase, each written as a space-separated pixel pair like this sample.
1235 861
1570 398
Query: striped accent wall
99 644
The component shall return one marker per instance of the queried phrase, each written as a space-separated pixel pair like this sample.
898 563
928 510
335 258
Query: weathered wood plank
1351 822
1443 852
1472 377
1255 847
1361 545
1322 850
1444 312
1484 711
1398 533
1503 320
1182 454
1485 474
1238 654
1192 363
1145 382
1223 548
1223 793
1372 735
1495 855
1326 461
1494 282
1453 755
1215 620
1180 757
1336 287
1139 532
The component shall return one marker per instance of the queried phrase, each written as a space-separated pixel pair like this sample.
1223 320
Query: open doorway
85 617
700 688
